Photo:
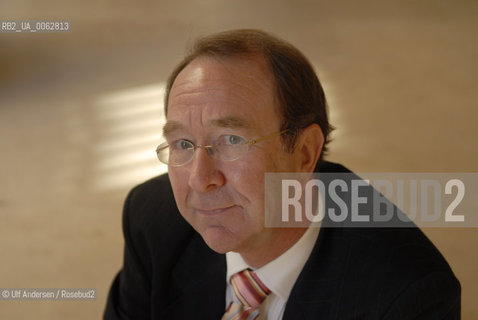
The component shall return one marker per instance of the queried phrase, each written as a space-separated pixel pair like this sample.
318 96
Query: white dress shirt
279 275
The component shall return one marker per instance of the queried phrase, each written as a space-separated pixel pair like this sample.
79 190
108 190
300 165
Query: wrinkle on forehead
227 92
201 79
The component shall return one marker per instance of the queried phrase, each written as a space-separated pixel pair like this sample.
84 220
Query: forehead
210 89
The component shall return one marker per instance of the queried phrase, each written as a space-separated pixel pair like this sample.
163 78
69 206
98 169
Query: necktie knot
249 293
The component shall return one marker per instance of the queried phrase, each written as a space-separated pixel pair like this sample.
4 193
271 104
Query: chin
220 239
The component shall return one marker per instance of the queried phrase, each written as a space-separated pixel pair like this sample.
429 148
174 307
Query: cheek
247 179
246 175
250 172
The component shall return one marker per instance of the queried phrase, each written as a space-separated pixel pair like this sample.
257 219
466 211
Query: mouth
214 211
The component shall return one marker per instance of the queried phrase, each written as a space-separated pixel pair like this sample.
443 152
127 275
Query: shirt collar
280 274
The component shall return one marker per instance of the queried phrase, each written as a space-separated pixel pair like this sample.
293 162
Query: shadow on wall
130 127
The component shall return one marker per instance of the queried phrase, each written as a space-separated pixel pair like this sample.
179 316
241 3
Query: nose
204 173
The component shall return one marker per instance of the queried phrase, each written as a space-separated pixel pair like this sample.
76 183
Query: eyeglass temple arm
252 141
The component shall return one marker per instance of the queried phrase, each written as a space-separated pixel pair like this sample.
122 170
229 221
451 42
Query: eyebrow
230 122
226 122
170 127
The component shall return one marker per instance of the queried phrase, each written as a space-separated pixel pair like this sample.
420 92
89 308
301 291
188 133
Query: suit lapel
316 293
319 283
199 282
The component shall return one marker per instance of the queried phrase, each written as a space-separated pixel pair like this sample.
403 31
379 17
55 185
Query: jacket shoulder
151 215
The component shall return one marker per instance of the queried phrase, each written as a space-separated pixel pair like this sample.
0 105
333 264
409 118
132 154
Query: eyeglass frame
249 142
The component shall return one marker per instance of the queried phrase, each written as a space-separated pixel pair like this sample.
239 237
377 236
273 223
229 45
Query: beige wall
80 117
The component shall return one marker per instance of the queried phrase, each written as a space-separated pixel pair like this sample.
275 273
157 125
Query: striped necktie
249 293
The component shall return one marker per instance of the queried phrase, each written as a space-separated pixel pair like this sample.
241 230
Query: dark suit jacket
352 273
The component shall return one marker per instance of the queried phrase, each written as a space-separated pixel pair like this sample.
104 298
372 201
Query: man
241 104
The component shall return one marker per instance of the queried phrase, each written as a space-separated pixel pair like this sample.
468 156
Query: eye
182 145
232 139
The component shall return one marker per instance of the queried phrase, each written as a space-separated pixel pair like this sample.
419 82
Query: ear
309 146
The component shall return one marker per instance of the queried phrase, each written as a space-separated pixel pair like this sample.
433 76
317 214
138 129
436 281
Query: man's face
224 200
